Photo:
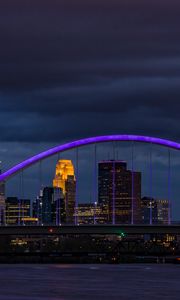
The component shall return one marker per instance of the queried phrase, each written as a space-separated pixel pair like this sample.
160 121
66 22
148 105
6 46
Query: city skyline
106 73
126 76
86 171
89 149
117 199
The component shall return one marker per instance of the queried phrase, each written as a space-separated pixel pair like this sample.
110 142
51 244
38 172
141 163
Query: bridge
98 229
90 230
79 143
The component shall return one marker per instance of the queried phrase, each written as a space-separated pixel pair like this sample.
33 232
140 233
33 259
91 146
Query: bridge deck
90 229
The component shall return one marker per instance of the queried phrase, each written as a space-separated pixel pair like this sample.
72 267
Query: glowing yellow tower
64 169
65 179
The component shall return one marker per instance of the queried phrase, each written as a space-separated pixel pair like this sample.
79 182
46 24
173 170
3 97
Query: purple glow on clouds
83 142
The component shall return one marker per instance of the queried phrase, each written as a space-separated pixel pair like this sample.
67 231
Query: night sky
72 69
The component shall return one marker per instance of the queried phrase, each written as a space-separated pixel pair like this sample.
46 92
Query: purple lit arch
98 139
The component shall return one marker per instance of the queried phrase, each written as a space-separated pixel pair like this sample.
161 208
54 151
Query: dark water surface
71 282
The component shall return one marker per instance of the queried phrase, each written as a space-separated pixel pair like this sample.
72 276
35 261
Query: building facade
65 179
49 207
149 210
163 211
90 214
154 210
117 196
17 210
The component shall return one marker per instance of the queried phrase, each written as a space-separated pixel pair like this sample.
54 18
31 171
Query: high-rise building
48 211
149 210
154 211
65 179
49 207
2 202
37 207
163 211
17 210
116 194
89 214
59 202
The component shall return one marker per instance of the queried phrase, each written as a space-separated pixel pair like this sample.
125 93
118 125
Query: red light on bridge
50 230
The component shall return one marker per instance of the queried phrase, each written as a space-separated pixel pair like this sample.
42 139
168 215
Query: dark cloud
113 66
123 105
72 69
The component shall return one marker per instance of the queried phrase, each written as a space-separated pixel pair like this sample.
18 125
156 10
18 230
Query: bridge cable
19 196
95 182
39 199
169 186
58 202
150 183
114 187
22 200
132 184
77 187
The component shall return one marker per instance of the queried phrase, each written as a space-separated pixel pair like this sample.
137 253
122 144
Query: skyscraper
149 210
17 210
163 211
59 202
116 194
48 206
154 211
90 214
65 179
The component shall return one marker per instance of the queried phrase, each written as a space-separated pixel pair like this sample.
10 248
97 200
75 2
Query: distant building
59 206
65 179
85 213
163 211
50 207
148 204
90 214
159 209
30 221
115 192
17 210
37 208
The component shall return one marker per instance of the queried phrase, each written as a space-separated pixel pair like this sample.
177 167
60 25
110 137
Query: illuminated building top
64 168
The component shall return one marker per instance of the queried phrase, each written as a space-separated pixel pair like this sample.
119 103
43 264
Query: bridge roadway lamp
122 234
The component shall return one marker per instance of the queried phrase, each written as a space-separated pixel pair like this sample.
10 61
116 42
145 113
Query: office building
17 210
89 214
49 207
149 210
65 179
116 194
162 211
155 209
